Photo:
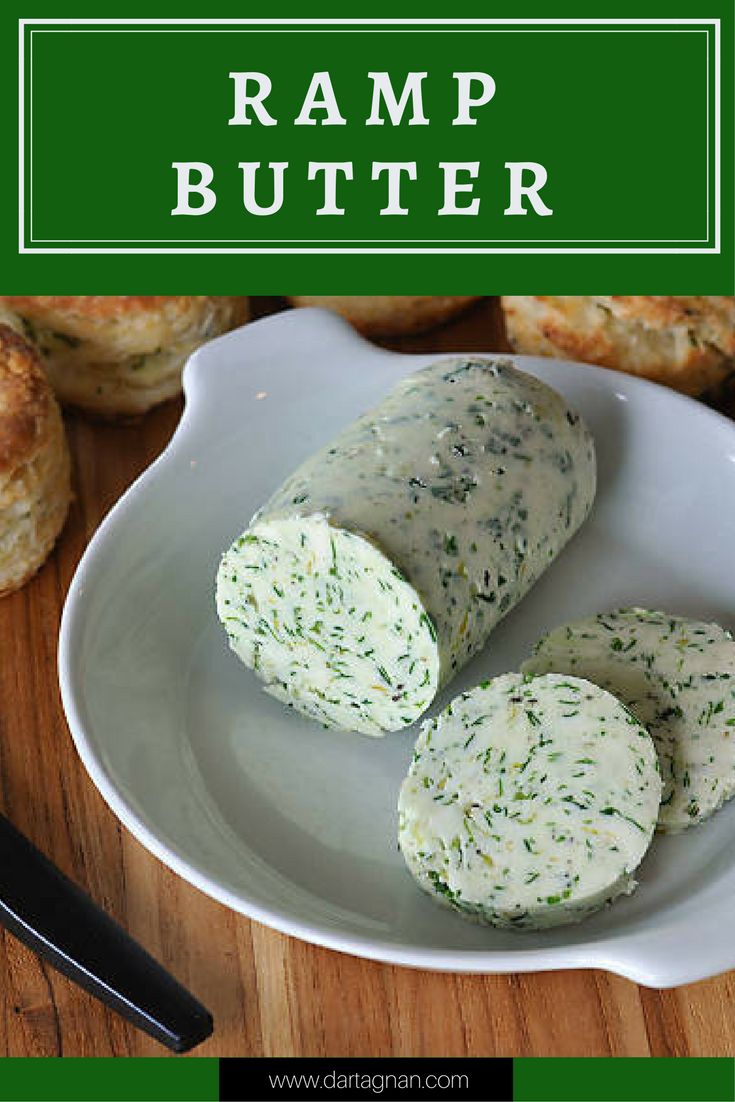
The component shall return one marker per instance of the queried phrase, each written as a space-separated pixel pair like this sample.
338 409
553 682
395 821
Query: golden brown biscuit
34 463
686 342
390 315
119 355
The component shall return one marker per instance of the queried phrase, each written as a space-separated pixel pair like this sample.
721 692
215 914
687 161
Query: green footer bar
200 1079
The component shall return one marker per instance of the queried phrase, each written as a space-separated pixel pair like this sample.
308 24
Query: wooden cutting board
270 995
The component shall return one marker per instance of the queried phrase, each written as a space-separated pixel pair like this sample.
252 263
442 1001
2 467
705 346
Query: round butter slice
678 677
530 802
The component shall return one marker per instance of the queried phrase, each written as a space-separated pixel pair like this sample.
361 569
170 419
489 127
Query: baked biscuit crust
120 355
686 342
34 463
390 315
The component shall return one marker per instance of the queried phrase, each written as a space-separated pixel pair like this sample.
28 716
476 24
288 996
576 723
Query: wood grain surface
270 995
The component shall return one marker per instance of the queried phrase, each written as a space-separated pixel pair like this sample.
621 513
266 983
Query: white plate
293 825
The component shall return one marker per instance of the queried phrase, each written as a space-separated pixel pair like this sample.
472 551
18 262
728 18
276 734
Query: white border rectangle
353 23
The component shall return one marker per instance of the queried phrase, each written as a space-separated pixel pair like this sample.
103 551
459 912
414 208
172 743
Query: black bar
394 1079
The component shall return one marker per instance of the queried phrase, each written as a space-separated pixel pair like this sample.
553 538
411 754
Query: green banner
492 150
188 114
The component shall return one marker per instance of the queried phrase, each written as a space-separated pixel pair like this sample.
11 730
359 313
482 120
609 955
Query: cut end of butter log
384 562
329 623
530 802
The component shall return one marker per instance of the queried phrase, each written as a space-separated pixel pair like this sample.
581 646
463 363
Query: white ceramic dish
293 825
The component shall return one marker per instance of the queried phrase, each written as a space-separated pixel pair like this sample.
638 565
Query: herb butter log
384 562
529 802
678 677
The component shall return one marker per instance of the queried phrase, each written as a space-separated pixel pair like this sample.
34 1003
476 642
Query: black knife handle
50 914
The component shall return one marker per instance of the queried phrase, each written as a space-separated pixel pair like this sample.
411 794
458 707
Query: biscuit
686 342
34 463
390 315
120 355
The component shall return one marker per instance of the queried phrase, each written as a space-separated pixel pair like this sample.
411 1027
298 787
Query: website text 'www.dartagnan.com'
401 1078
375 1082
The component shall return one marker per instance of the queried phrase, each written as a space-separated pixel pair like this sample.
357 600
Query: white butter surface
529 802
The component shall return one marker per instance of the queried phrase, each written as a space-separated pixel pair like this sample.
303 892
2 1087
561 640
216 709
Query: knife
51 915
